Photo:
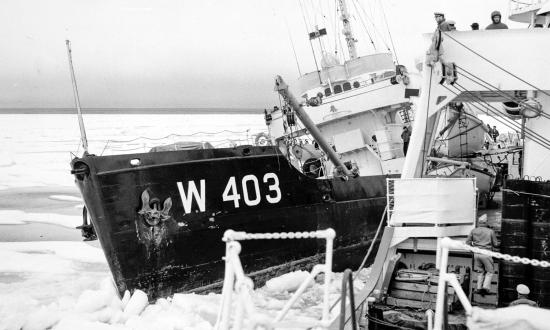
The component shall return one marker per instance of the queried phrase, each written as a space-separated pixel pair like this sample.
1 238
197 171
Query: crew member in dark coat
497 24
494 133
406 136
523 294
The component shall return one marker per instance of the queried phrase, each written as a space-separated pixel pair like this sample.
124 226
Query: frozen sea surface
67 285
36 149
49 278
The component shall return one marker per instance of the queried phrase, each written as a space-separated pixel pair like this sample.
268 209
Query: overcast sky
180 53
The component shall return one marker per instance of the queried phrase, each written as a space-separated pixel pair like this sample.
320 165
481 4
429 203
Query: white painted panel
433 201
348 141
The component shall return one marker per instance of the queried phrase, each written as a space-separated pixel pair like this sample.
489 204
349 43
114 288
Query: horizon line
132 110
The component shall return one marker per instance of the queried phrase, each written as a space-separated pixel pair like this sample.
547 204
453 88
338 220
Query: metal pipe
441 288
448 161
282 88
77 100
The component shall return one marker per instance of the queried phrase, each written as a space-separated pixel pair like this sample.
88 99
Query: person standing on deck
474 26
523 294
484 238
494 133
406 136
452 24
436 51
497 24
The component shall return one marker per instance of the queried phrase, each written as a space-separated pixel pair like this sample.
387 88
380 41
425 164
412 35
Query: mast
77 100
350 40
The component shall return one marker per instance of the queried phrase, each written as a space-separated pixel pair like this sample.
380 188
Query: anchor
153 216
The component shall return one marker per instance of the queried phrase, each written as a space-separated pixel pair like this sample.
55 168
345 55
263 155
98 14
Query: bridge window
337 89
328 92
356 84
347 86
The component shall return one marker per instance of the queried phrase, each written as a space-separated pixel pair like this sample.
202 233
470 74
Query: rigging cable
310 43
496 114
380 35
293 49
468 75
506 121
389 32
364 25
496 65
335 25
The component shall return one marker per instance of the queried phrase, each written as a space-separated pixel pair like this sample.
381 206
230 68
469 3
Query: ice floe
9 217
66 285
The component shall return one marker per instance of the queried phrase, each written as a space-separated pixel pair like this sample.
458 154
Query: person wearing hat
452 24
435 53
484 238
442 25
474 26
523 293
406 136
497 24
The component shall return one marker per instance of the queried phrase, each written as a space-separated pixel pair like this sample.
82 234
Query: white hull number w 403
249 188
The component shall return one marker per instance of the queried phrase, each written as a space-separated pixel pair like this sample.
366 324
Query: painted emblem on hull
153 216
152 229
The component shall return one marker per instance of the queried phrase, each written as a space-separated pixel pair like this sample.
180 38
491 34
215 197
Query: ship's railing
444 245
140 144
235 281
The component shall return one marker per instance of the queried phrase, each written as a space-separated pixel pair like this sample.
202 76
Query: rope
496 65
373 240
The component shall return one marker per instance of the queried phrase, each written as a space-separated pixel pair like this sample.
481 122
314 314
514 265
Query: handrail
236 280
347 279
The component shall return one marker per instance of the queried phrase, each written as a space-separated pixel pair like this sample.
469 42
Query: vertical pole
413 161
222 322
441 286
521 164
328 273
77 100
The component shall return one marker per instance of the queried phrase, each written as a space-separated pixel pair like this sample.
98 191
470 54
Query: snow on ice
11 217
66 286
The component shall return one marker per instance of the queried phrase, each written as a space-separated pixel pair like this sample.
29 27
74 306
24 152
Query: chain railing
507 257
235 280
444 245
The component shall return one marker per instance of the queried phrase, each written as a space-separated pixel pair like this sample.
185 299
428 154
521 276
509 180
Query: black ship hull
160 216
